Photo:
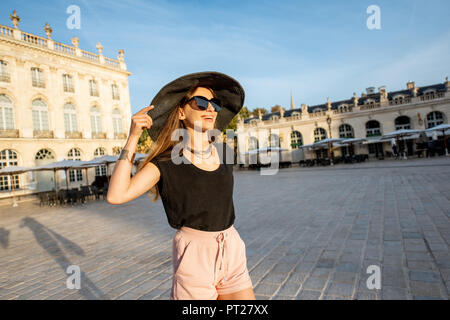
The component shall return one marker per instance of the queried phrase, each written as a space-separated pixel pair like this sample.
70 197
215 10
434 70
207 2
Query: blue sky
314 49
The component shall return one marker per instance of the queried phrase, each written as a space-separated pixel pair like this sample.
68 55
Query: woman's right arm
121 188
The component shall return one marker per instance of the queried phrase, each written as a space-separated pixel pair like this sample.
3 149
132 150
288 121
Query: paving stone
308 295
314 283
424 276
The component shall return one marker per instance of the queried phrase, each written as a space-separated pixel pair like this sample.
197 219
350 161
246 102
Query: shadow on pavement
51 241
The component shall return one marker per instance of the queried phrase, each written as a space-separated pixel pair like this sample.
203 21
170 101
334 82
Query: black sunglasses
202 103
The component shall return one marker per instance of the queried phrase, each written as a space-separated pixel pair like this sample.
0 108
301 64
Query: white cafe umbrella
10 171
401 133
61 165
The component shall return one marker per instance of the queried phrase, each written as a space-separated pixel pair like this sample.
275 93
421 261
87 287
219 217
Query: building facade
369 116
57 102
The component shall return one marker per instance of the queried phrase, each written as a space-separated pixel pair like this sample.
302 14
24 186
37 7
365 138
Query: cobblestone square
310 233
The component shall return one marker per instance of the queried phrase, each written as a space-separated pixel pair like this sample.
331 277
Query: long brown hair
163 145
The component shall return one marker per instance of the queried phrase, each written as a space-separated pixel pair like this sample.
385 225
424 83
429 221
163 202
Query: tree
275 108
255 111
144 143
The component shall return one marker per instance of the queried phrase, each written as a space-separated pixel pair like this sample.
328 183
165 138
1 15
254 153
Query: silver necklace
201 154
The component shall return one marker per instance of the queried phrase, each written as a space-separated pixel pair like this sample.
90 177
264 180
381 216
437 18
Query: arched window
274 140
75 175
295 115
434 119
398 99
275 117
96 125
402 122
100 170
40 115
296 139
373 128
346 131
6 113
319 134
8 158
117 121
70 118
252 143
254 123
44 154
343 108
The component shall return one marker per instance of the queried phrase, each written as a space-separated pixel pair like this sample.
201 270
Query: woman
194 181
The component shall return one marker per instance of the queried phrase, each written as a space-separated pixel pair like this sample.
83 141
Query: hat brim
226 89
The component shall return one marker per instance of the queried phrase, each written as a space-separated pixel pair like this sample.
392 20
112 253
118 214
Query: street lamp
329 143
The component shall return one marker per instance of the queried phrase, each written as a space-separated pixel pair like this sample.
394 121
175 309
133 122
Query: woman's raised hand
140 121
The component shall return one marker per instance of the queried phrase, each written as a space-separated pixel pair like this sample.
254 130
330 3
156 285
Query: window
77 174
68 83
93 89
254 123
37 78
402 122
6 113
370 101
4 74
434 119
117 122
296 139
373 128
96 125
252 143
343 108
295 115
8 158
274 140
115 92
346 131
398 99
44 154
100 170
70 118
275 117
40 115
319 134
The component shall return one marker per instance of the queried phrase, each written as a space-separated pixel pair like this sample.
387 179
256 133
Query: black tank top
197 198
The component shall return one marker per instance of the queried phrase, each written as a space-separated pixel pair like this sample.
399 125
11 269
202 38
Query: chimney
382 91
329 103
412 87
281 112
447 84
370 90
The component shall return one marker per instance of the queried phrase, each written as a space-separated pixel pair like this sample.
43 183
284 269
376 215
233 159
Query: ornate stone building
369 116
57 102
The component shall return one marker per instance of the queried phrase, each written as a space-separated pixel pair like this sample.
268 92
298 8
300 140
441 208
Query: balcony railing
120 135
4 77
38 83
43 134
74 135
34 40
68 88
400 101
318 114
9 133
432 96
30 38
370 106
98 135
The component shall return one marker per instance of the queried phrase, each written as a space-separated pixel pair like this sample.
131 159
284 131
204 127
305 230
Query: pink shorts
207 264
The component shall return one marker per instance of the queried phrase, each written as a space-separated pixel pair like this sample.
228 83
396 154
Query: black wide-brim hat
227 90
